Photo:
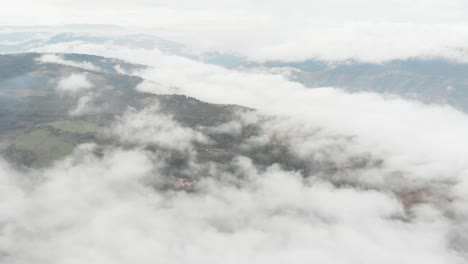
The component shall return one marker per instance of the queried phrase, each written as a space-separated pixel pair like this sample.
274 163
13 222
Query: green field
46 148
74 126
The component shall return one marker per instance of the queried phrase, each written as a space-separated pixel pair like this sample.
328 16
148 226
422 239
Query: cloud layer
265 30
384 180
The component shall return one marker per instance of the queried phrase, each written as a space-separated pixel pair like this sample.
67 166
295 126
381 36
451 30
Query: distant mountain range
430 80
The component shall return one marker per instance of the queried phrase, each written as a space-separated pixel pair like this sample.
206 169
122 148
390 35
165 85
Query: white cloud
82 106
294 30
430 132
101 210
149 126
119 69
52 58
79 88
74 83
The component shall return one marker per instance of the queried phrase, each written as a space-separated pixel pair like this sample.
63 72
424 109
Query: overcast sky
287 30
242 14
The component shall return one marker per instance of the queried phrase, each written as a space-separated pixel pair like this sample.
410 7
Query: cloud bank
383 180
366 30
52 58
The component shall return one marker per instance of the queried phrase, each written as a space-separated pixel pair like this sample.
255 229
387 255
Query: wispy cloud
52 58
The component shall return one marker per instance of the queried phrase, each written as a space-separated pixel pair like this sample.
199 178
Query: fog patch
149 126
74 83
53 58
108 206
81 88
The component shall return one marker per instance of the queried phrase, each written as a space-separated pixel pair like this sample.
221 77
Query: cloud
149 126
361 116
52 58
80 89
102 210
232 127
411 139
366 30
82 106
74 83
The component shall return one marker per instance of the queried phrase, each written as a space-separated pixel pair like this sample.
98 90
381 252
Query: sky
286 30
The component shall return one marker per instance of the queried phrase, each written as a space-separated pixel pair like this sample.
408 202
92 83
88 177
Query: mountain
47 109
436 81
26 39
40 123
430 80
